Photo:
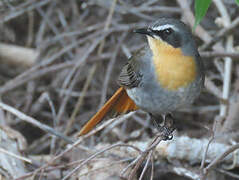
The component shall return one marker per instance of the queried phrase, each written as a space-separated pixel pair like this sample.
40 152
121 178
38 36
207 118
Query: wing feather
129 76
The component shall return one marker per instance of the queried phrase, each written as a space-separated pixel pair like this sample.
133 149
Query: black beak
144 31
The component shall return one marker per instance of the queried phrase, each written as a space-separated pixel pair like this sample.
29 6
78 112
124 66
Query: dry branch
69 37
18 56
11 160
191 150
181 148
34 122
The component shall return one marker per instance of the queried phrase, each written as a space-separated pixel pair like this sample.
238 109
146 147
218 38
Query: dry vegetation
59 63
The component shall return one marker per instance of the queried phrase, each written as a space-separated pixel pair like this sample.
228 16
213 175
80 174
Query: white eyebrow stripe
163 27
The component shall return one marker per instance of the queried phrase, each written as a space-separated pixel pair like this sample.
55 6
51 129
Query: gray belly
156 100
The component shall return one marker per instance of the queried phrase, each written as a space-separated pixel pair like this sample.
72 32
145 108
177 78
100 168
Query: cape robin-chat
163 76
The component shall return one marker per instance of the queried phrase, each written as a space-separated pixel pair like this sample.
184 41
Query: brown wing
130 76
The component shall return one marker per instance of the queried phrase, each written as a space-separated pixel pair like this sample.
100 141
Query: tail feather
119 103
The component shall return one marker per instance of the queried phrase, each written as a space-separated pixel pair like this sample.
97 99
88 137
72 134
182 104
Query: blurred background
60 61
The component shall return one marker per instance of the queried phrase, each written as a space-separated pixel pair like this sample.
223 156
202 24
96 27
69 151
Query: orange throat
173 69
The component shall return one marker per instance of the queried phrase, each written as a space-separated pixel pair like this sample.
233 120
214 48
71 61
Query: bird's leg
166 127
155 121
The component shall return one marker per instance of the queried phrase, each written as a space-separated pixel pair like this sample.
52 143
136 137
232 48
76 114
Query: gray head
171 31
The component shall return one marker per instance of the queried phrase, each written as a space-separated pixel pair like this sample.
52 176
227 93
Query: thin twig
220 158
100 49
228 173
52 26
110 69
129 165
81 139
152 167
39 73
106 168
228 61
77 65
34 122
212 54
142 157
17 81
205 154
21 11
92 157
146 165
15 155
221 34
80 100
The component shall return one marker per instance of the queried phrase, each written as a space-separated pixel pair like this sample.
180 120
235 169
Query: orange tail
119 103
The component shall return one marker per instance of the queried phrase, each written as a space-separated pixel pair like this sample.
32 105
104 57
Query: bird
166 74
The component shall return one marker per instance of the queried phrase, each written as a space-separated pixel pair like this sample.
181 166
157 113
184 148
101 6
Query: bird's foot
166 128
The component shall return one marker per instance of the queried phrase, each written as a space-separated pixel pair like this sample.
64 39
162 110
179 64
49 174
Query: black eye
168 31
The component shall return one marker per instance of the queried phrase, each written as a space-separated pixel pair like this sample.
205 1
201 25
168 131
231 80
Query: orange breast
173 69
